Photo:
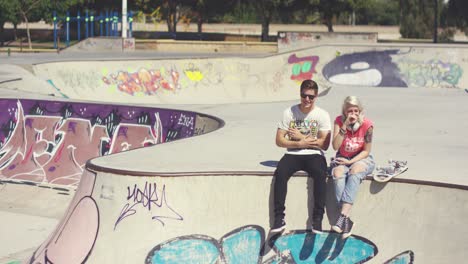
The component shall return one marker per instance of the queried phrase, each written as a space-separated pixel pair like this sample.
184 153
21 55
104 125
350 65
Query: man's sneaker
317 226
348 227
279 226
339 225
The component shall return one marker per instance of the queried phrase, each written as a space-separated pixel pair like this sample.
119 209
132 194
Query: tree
417 18
206 9
8 13
379 12
267 9
99 6
457 14
27 11
171 10
330 9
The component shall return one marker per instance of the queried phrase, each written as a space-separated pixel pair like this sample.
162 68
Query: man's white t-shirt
309 124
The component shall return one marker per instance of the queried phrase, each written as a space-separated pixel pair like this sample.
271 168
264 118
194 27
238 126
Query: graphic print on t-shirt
353 144
306 127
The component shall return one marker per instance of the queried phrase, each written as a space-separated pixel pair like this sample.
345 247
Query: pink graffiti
50 149
303 68
144 81
129 136
73 241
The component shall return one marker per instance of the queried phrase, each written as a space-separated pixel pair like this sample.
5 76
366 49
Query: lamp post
436 14
124 18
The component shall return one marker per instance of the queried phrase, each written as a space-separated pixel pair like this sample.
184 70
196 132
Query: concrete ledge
206 46
104 44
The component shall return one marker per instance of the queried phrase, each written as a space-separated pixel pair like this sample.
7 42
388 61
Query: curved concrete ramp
116 217
267 79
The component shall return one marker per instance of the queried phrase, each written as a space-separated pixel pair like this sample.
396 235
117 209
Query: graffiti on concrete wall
247 245
72 241
193 73
144 81
50 142
378 68
433 73
303 68
128 44
149 198
151 81
372 68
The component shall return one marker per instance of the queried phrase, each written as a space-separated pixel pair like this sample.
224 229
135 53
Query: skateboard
394 168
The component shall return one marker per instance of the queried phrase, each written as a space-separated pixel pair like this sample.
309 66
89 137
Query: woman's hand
351 118
342 161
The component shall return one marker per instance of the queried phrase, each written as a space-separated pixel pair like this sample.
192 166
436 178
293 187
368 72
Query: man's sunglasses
311 97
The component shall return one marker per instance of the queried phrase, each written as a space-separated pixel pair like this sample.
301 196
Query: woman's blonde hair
352 101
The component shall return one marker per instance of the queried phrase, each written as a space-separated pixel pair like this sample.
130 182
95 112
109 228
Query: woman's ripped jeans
347 178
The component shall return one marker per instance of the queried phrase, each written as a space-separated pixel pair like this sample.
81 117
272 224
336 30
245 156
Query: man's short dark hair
309 84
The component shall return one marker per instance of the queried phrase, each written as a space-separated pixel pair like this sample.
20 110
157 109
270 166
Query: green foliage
446 35
378 12
207 10
417 18
8 11
457 14
330 10
33 10
242 13
101 5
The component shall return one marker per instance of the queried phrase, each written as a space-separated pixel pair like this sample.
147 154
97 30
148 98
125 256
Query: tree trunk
170 29
2 41
15 31
28 33
172 20
199 23
265 29
329 23
176 17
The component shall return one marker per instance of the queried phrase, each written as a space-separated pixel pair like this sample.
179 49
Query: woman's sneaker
339 225
348 227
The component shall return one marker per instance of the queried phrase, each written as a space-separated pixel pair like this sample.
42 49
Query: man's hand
295 134
309 142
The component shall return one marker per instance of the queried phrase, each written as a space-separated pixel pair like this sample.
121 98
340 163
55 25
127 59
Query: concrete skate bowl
258 79
49 142
129 216
145 216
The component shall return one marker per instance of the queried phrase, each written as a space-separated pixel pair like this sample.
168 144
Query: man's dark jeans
316 166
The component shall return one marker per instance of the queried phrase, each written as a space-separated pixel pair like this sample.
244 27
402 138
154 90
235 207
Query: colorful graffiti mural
248 245
371 68
144 81
303 68
433 73
378 68
50 142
